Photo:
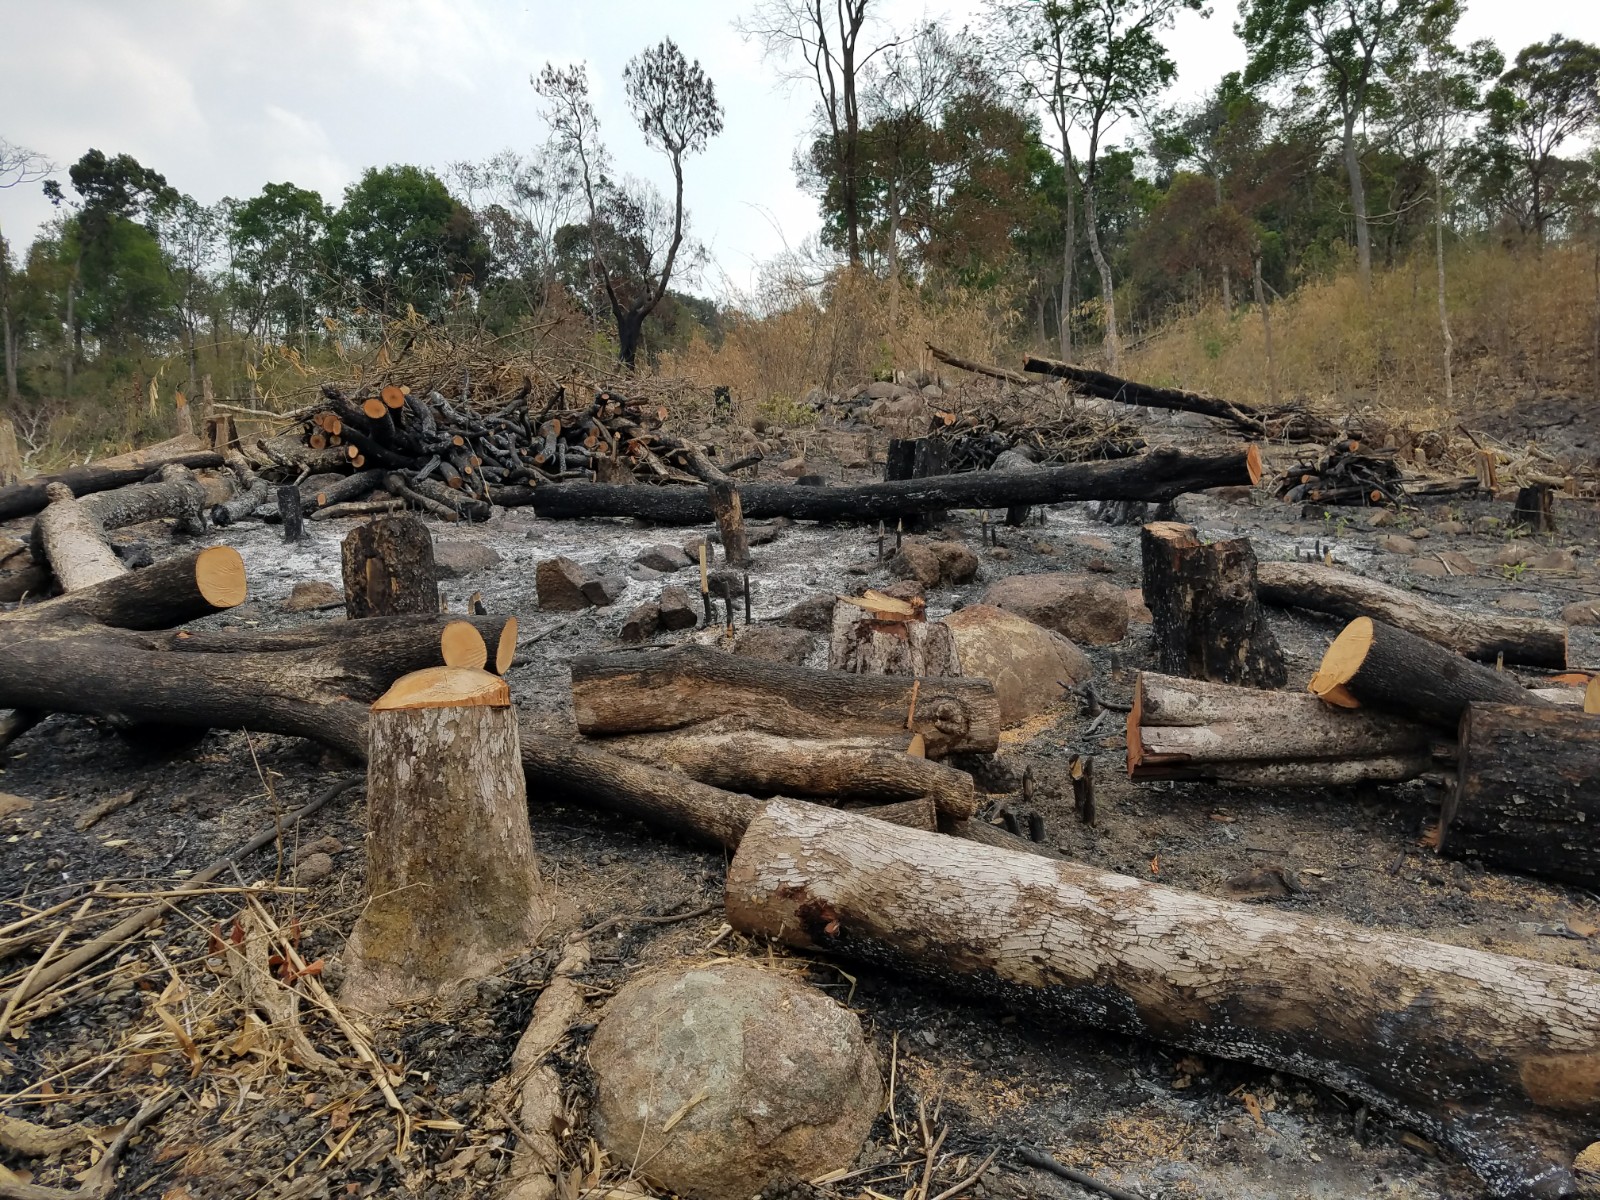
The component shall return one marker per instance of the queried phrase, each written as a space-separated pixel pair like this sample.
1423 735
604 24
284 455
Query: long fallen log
26 498
1158 475
69 537
647 691
1496 1057
1191 729
978 368
1374 665
1481 635
168 593
1527 793
767 765
1125 391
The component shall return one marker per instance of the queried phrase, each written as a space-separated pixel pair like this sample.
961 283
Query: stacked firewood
1348 473
457 452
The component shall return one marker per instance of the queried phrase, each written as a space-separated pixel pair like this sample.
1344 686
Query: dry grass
1522 325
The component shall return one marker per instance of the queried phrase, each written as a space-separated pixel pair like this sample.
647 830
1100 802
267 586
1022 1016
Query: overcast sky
223 96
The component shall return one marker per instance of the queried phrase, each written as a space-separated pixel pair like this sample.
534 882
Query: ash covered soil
1145 1117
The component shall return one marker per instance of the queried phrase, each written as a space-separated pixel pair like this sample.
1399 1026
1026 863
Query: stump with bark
875 634
1527 793
1496 1057
1202 599
1481 635
1535 508
1188 729
453 883
1373 665
389 568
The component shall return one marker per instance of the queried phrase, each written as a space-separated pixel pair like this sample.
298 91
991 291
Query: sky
224 96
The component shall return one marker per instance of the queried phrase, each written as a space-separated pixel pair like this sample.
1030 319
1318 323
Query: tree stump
1202 600
729 513
917 458
389 568
1527 794
453 881
294 522
877 634
1535 508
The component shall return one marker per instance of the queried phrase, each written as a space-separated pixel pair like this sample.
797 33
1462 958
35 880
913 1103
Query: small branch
1044 1162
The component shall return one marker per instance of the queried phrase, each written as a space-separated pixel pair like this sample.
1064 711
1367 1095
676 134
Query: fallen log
1125 391
1202 601
1481 635
1158 475
764 764
1189 729
168 593
978 368
1527 792
1374 665
177 495
70 539
650 691
26 498
1497 1058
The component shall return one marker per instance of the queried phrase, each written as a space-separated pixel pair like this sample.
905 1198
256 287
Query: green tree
18 166
1351 46
400 239
1550 94
276 240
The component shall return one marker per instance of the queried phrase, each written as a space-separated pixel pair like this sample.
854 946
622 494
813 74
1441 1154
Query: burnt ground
249 1122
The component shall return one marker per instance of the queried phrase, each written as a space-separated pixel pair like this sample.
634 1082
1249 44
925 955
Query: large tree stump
1202 600
1496 1057
1527 794
453 884
1481 635
1374 665
877 634
389 568
1535 508
1189 729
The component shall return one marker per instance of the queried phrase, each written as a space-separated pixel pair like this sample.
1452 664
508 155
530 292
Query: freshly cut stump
453 882
1373 665
1494 1056
1527 794
759 1077
389 568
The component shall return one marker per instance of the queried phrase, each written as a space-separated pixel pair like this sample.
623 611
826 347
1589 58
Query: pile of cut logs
1346 474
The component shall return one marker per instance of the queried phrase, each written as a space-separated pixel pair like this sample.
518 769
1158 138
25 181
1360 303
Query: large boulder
933 563
455 559
766 1079
559 583
1027 663
1079 607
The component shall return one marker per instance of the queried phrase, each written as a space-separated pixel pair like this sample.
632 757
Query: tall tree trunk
1266 333
1444 309
894 258
1358 201
1227 279
74 336
630 332
1069 252
1107 291
9 346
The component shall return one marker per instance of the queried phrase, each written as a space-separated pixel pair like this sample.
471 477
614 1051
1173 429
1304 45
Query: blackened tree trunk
389 568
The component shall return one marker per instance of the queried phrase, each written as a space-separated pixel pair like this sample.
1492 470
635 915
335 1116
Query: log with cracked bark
1125 391
69 537
28 497
654 690
1158 475
1190 729
1496 1057
1481 635
1374 665
1527 792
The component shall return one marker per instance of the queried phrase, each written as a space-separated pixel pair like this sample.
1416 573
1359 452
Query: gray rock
814 613
313 869
1026 662
883 390
641 624
1079 607
675 610
311 594
663 557
559 583
605 591
643 573
775 643
455 559
1395 544
1586 613
769 1080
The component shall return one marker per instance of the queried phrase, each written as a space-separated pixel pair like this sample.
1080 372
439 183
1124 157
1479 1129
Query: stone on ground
1078 607
311 594
933 563
641 624
663 557
814 613
1586 613
604 591
559 583
455 559
775 643
676 611
769 1080
1027 663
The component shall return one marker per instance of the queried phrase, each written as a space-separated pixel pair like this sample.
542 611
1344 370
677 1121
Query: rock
327 844
1586 613
1427 565
455 559
759 533
1241 493
905 589
1000 554
1395 544
1557 562
793 468
1093 541
775 643
769 1080
1519 602
814 613
313 868
604 591
883 390
916 560
1014 459
663 557
727 584
957 564
1457 562
1026 662
1449 528
1420 532
932 391
1075 606
692 547
1512 555
311 594
1379 518
1138 614
641 623
559 583
643 573
1486 525
676 611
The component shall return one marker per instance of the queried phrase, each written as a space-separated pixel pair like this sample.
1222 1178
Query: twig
956 1189
921 1189
669 919
1042 1161
100 1180
21 992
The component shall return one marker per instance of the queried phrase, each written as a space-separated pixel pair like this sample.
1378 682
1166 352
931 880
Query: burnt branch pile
1346 473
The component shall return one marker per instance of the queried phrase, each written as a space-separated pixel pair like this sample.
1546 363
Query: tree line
1028 155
